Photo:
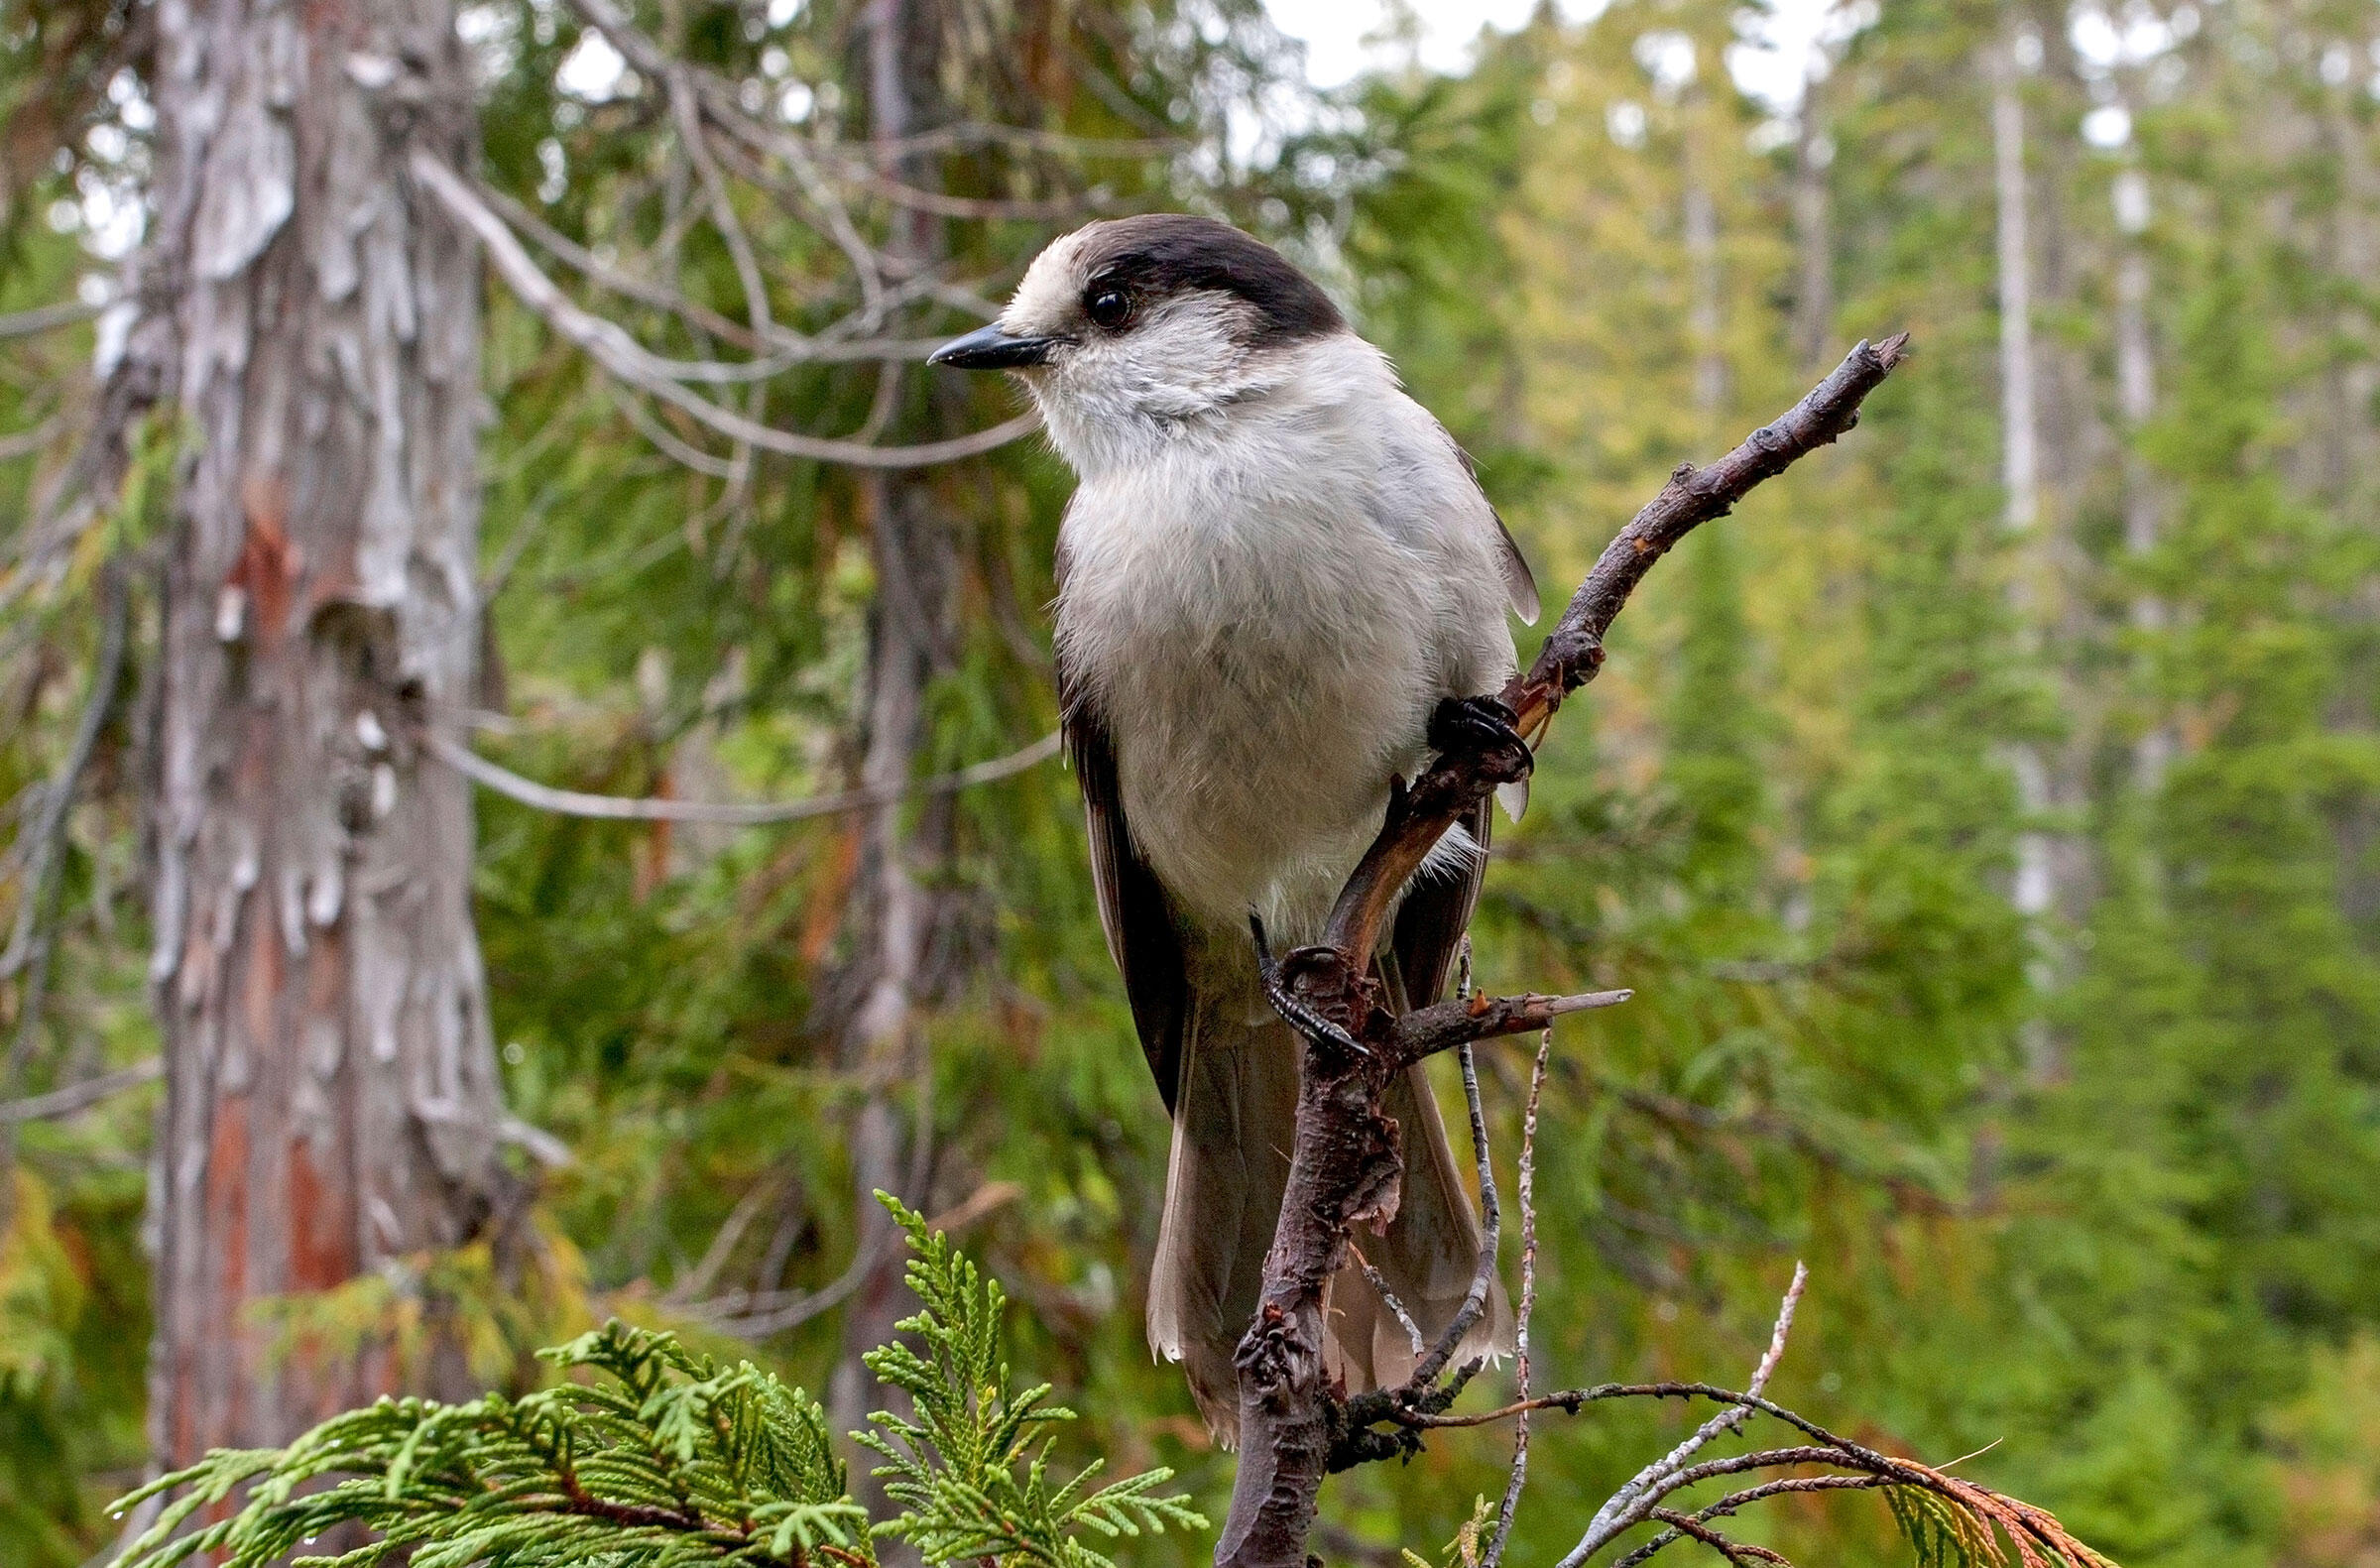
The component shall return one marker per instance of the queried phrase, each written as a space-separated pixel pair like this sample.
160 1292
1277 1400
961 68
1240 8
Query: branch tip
1586 999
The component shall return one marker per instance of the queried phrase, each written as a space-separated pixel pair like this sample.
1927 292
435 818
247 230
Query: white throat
1195 389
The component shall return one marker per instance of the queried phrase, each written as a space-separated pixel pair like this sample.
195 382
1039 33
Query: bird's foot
1305 1020
1485 730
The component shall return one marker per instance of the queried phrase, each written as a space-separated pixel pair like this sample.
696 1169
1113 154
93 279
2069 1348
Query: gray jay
1278 581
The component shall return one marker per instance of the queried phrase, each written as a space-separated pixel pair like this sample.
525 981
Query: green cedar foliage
650 1456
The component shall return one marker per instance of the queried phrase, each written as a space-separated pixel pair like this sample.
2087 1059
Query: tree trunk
332 1103
2019 462
1702 307
2136 402
1813 227
2035 889
896 901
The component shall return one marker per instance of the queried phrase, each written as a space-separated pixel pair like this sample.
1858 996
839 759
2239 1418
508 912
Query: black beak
990 349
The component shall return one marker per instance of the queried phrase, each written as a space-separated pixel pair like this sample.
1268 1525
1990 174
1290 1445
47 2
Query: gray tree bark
897 908
332 1102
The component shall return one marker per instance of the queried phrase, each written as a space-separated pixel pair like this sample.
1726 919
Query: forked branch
1345 1167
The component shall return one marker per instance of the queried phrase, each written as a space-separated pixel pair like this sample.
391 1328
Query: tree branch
81 1096
47 318
1345 1167
728 814
611 347
1494 1554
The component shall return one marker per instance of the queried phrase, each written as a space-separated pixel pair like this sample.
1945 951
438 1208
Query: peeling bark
332 1100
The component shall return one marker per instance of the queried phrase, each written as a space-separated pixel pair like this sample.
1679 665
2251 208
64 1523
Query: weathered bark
332 1102
895 902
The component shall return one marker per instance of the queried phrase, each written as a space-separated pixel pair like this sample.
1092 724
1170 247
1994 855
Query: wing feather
1431 921
1143 934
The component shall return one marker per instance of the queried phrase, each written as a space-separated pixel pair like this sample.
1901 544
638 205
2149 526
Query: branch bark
1345 1163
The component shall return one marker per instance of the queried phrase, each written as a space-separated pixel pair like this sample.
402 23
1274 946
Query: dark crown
1162 254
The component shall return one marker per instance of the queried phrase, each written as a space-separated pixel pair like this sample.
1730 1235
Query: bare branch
1344 1159
1573 651
81 1096
31 439
1652 1478
1526 1188
1397 1308
47 318
1492 1224
730 228
1444 1025
973 133
756 1315
611 347
730 813
604 275
705 1272
26 944
836 344
1733 1551
718 104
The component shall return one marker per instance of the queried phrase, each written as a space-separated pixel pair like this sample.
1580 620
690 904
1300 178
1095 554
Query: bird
1278 582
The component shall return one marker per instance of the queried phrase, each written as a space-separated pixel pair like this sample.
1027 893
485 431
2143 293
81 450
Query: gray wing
1520 584
1143 937
1431 921
1133 909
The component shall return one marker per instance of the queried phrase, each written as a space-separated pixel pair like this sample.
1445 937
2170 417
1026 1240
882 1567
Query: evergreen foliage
650 1456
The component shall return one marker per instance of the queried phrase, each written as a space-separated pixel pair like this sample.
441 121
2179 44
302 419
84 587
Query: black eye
1108 307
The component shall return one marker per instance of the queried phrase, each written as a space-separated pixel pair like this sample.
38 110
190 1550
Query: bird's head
1131 329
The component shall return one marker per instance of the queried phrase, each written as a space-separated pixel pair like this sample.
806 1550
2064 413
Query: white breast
1265 608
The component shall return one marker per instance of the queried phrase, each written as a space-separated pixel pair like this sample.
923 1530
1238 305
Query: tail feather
1234 1117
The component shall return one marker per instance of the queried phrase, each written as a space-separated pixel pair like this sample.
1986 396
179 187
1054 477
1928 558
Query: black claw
1301 1018
1479 727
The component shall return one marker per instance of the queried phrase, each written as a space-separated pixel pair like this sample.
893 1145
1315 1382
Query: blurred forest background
1988 817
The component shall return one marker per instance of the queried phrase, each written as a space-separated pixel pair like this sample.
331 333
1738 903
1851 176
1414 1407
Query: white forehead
1046 299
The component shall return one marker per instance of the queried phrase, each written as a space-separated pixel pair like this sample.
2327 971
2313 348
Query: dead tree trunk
332 1103
895 900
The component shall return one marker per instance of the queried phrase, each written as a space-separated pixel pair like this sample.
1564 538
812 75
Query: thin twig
1733 1551
1568 1400
1527 1191
47 318
48 833
723 1242
1482 1278
80 1096
1622 1507
718 104
756 1315
732 813
611 347
1397 1308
